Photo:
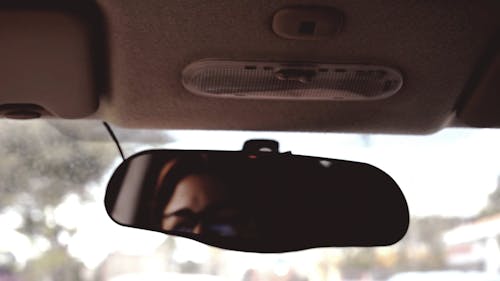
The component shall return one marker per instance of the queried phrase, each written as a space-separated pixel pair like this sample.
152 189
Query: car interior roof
447 52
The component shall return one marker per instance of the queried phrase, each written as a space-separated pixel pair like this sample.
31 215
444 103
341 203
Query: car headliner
443 49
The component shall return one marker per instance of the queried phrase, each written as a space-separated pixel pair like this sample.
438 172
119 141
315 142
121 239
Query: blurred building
474 246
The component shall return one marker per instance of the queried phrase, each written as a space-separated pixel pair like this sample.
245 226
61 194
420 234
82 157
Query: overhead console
53 59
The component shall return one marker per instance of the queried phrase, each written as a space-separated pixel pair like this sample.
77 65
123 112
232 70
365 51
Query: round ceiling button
308 23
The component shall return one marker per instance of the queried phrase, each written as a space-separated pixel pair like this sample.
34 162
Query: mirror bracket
262 145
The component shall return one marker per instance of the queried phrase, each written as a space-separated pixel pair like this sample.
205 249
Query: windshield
54 225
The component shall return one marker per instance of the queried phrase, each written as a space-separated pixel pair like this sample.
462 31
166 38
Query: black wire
113 136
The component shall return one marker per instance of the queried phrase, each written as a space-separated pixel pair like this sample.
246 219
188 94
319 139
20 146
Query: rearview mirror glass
258 201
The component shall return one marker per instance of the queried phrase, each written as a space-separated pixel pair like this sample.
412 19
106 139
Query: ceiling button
307 23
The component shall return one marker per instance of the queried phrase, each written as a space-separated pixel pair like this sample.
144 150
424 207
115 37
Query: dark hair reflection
197 195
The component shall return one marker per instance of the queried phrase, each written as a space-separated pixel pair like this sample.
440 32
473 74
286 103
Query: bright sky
450 173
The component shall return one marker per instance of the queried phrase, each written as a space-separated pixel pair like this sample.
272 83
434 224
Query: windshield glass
54 225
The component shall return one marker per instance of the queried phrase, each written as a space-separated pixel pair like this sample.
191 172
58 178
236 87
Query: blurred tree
41 164
54 263
39 167
423 249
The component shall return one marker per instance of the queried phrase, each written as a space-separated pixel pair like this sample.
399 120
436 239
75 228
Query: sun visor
482 108
52 56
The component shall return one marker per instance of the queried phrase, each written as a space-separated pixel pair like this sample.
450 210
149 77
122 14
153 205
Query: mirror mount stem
261 145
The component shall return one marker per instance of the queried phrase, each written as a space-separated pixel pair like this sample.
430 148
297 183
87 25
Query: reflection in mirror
261 201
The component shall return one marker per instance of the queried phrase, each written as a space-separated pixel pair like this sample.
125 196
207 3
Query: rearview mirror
258 199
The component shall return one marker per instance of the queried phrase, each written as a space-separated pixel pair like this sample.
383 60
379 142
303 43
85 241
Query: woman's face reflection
199 205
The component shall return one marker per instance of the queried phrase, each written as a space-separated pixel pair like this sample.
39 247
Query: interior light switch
307 23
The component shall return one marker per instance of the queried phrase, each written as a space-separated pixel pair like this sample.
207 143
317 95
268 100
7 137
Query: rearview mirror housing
258 200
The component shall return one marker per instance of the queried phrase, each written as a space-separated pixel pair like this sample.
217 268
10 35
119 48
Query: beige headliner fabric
436 45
